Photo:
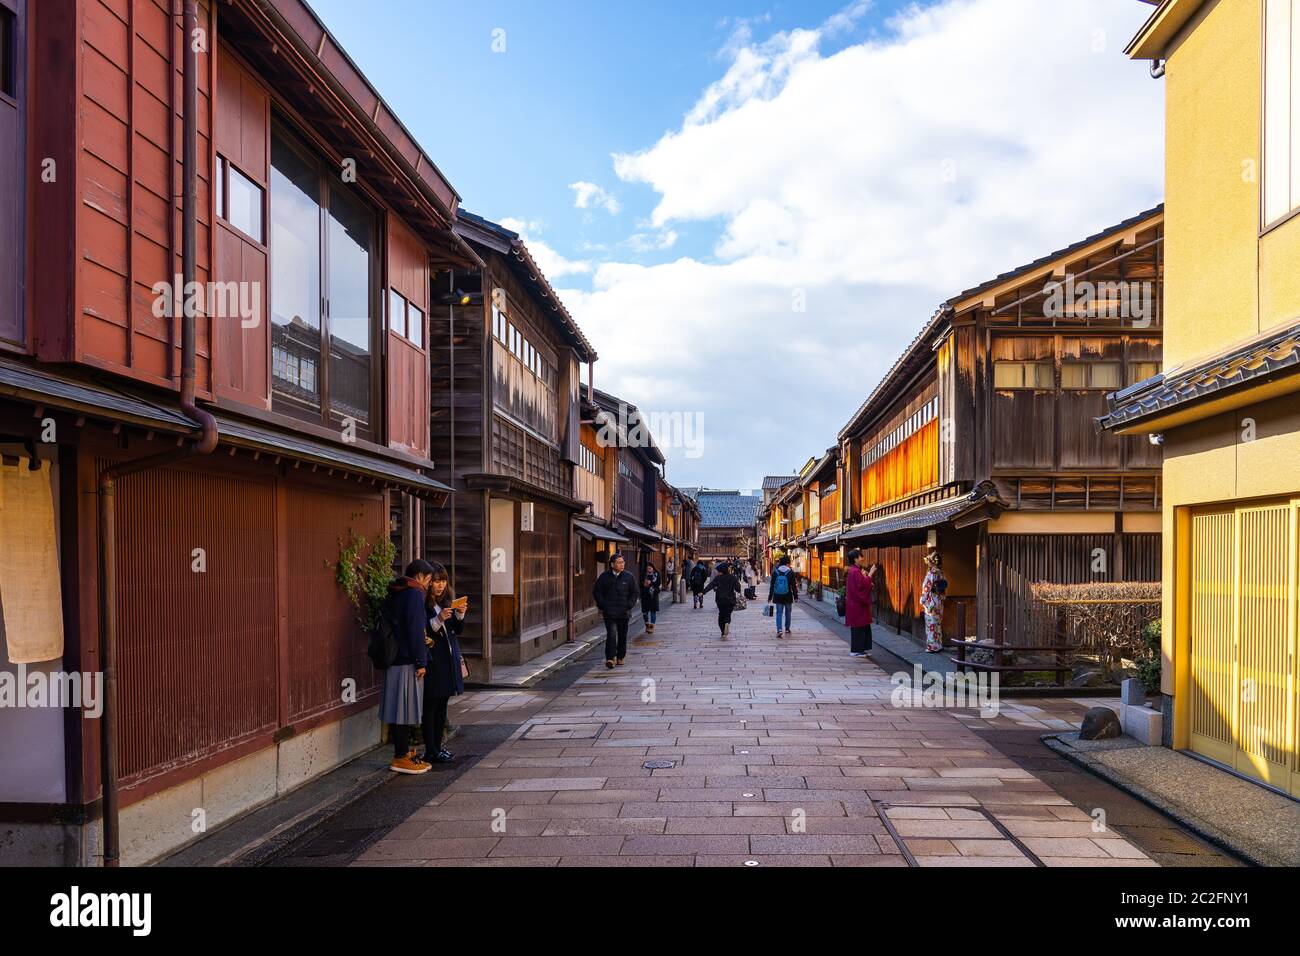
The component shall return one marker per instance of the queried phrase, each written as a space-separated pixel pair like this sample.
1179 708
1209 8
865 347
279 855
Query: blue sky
578 81
751 207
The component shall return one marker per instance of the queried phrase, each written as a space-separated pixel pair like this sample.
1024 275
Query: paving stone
558 846
600 825
797 724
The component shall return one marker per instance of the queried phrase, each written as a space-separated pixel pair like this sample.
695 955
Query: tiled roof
773 482
1059 253
727 509
610 405
920 347
1276 353
522 261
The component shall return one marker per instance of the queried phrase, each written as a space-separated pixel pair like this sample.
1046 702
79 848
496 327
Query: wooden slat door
1243 640
1213 659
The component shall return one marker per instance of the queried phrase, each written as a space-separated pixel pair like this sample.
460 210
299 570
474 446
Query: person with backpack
726 589
698 580
858 586
401 627
446 673
650 597
783 591
616 593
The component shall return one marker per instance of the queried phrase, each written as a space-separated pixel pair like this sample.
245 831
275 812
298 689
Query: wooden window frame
1290 132
282 126
221 199
1088 365
11 56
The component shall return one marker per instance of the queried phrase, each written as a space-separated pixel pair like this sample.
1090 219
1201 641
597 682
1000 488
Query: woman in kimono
933 589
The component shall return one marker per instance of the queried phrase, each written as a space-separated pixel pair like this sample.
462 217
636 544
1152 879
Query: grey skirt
401 696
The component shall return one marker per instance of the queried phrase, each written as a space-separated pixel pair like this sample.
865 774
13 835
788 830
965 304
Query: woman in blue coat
445 676
401 694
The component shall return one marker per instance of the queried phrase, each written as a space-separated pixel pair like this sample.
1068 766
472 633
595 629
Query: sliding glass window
323 290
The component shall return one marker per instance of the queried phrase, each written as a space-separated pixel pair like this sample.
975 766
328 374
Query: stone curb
1206 832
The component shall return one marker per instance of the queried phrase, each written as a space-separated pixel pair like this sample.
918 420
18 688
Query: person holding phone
859 584
446 673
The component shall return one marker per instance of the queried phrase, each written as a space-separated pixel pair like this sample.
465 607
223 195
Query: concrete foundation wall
166 821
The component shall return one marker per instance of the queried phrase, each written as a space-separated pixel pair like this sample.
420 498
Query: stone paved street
782 753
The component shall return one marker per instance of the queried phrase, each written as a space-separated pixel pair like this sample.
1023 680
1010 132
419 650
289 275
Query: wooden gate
1242 640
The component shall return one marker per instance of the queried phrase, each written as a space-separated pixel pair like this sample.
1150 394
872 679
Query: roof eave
1160 28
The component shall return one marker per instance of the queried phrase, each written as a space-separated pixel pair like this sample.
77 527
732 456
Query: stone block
1133 692
1142 723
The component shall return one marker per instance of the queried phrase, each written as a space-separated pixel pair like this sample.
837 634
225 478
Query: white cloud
552 263
656 241
968 137
590 196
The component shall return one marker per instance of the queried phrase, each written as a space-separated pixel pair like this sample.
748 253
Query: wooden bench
1062 669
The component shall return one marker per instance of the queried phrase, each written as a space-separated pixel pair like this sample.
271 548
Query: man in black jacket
616 593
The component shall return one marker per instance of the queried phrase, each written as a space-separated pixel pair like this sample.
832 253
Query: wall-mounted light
461 298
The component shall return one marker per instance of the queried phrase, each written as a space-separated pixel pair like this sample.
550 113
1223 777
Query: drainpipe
206 442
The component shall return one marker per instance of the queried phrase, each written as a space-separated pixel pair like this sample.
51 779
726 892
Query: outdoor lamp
459 298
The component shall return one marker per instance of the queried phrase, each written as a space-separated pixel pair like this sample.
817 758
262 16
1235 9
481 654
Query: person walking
783 591
698 580
859 584
445 677
401 692
616 593
933 589
650 597
726 589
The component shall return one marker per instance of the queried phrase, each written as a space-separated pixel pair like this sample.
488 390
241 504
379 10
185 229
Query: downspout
206 442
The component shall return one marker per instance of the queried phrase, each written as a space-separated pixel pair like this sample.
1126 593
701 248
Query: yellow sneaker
408 765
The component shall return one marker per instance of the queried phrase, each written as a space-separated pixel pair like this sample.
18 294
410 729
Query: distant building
727 524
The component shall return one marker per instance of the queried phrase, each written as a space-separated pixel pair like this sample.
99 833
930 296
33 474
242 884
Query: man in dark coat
699 577
858 585
726 588
616 593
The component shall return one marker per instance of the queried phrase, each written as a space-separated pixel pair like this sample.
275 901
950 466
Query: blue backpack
781 585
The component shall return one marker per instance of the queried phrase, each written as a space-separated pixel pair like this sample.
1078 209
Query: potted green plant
363 572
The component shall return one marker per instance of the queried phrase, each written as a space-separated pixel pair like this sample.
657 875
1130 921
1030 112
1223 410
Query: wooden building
727 520
209 527
821 486
506 419
1225 405
769 530
595 537
679 522
637 461
980 441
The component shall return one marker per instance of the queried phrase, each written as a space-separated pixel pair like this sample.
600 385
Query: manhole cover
659 764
